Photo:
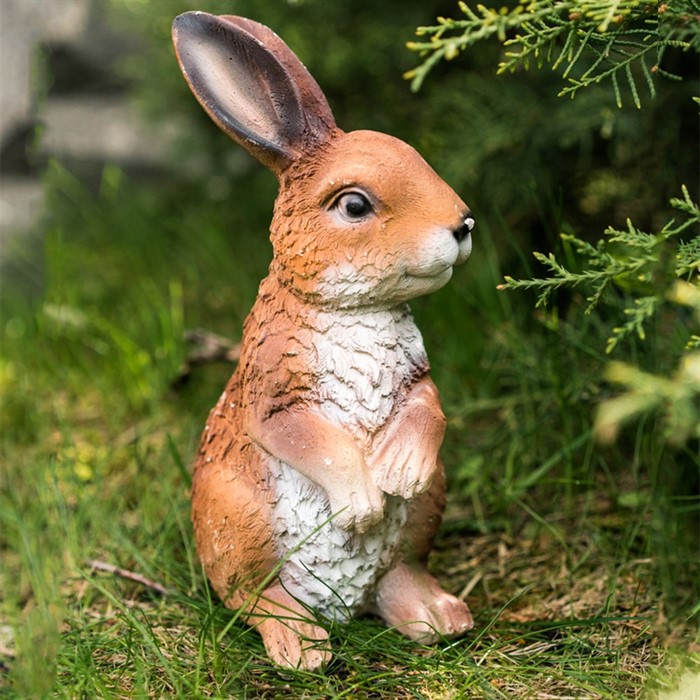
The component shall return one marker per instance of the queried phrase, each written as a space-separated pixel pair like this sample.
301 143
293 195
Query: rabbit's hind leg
408 597
231 517
231 513
291 635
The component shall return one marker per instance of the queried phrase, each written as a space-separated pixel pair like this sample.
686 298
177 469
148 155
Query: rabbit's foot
412 601
291 636
295 644
404 459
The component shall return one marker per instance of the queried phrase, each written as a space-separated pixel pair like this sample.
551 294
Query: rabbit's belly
331 570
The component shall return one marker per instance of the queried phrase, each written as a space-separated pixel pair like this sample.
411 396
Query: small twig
471 585
208 347
97 565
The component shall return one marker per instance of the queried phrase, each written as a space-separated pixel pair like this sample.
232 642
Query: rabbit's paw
291 636
403 472
405 455
445 616
358 508
413 602
296 644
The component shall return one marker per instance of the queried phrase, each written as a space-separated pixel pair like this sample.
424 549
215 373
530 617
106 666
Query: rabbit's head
361 219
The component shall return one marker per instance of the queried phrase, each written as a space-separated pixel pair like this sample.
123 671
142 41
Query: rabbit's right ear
253 86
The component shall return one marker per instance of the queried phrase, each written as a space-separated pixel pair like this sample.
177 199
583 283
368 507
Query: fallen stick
207 347
97 565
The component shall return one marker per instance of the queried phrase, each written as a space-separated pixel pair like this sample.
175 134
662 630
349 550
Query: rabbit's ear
316 110
252 85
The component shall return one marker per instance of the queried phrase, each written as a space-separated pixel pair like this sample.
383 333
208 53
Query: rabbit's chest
362 363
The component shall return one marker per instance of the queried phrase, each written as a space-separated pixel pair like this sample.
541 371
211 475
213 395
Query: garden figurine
318 488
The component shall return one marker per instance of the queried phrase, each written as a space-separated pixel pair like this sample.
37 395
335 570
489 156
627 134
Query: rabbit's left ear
253 86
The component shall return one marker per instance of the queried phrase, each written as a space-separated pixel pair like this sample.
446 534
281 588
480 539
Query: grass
578 561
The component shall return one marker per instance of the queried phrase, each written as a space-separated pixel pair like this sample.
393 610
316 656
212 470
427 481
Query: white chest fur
362 361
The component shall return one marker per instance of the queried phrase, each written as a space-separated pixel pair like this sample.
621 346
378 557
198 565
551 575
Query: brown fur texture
318 483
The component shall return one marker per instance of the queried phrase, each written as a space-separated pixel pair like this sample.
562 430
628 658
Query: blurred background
127 218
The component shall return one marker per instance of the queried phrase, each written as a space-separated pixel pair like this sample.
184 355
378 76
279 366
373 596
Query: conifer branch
621 42
628 259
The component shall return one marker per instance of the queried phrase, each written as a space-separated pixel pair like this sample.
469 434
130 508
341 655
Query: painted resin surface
318 488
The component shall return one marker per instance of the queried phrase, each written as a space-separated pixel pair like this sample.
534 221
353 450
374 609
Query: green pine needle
589 41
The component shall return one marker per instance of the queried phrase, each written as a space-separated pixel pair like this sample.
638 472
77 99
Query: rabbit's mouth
418 283
345 286
440 256
396 276
435 272
465 249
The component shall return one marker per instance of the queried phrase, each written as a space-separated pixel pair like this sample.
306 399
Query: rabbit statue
318 488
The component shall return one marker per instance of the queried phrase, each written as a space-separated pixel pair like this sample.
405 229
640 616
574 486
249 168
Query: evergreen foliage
654 271
590 41
630 258
593 41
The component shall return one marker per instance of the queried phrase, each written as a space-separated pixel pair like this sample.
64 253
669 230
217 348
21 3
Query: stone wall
59 71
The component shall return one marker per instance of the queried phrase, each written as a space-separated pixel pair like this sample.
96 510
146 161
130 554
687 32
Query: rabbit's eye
353 205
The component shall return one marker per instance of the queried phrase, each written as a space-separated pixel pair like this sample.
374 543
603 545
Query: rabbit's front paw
405 456
405 471
359 508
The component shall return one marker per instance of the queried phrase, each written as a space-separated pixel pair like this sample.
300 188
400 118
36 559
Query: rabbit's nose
461 232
